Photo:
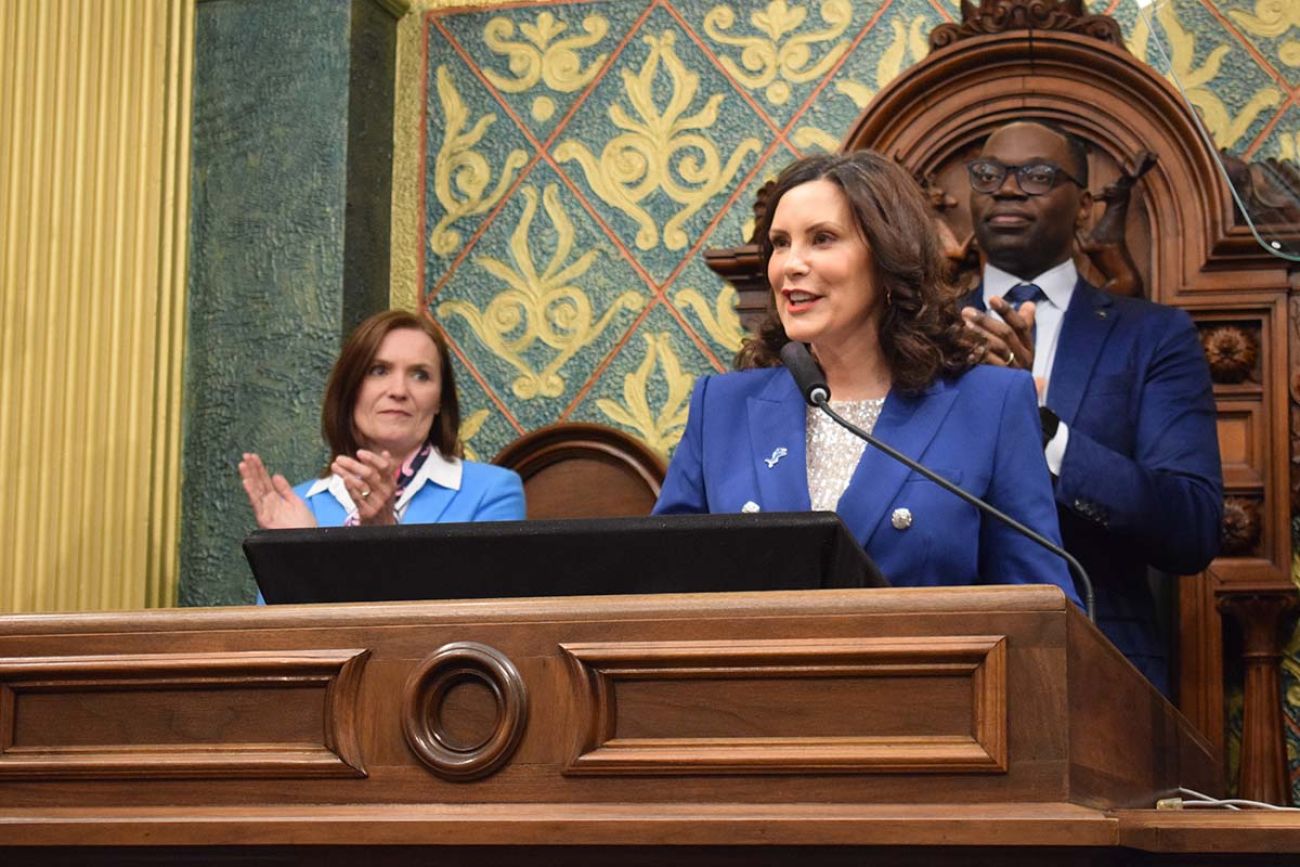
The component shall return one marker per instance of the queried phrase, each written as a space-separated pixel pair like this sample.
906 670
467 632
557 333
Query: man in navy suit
1127 404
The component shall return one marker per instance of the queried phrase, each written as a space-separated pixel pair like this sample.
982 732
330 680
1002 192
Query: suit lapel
1087 323
876 481
777 421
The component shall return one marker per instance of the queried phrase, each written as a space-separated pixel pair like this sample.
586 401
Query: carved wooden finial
1000 16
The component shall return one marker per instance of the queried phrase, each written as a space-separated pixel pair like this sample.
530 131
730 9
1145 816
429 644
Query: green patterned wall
577 157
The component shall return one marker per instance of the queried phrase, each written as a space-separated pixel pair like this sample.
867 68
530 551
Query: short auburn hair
354 361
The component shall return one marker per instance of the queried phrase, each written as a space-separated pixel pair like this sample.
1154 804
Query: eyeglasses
1035 179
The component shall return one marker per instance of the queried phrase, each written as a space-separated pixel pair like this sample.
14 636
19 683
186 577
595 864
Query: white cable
1199 799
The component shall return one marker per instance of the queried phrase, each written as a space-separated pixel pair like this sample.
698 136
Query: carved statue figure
1104 245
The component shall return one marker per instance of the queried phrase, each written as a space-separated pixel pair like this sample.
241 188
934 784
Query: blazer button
750 507
901 519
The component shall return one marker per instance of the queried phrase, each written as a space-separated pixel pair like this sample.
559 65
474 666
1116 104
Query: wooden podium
969 725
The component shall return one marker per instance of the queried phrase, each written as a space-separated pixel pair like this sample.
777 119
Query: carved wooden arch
960 93
1191 251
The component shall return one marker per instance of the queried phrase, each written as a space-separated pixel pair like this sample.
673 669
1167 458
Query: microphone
812 385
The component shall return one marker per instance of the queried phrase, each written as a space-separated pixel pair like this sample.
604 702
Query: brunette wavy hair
355 359
921 331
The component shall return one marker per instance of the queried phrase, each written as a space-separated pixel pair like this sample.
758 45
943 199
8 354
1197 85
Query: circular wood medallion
464 709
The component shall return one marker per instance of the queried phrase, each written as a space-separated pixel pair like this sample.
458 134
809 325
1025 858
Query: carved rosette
999 16
1242 528
1232 353
450 667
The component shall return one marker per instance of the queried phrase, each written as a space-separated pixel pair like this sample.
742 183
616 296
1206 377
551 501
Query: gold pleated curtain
94 162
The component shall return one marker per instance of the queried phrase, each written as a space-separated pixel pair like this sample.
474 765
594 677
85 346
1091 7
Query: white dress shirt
442 471
1058 285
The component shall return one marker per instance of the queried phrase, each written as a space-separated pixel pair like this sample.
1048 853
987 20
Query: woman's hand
274 503
371 480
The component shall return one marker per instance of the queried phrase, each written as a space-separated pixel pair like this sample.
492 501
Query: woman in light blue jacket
391 419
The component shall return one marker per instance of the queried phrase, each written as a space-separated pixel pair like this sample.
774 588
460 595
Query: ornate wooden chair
579 470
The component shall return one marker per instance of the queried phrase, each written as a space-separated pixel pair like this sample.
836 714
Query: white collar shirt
1058 285
445 472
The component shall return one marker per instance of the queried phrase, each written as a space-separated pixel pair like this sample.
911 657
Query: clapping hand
274 503
1008 342
371 480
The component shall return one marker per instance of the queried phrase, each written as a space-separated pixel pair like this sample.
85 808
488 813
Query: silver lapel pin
777 453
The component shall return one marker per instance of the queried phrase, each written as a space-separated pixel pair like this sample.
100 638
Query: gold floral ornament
1288 147
908 40
662 428
721 320
545 306
1226 129
1271 19
644 158
781 56
461 175
469 428
544 57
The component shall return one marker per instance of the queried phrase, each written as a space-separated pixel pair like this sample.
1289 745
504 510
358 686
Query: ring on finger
1011 358
365 493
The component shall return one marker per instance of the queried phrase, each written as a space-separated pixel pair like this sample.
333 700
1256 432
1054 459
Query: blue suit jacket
487 493
1141 482
980 431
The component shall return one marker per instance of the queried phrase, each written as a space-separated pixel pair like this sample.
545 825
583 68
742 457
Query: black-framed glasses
1035 179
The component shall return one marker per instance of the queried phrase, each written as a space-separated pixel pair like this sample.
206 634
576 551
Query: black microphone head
807 375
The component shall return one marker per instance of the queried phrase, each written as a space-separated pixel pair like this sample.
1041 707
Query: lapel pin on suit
901 518
777 453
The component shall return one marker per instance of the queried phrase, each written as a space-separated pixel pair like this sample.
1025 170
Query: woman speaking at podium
391 420
857 274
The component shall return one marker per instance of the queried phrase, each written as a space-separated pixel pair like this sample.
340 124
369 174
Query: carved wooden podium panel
962 720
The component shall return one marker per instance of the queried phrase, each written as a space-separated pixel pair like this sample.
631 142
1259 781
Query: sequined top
833 452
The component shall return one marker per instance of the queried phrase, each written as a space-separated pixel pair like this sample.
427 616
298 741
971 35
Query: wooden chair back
582 470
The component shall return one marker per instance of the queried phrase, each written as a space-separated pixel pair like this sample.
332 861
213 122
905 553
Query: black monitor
661 554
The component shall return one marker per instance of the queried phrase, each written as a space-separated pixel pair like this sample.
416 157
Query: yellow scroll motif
1271 19
781 56
544 306
544 56
461 174
641 160
470 427
721 320
1226 129
1288 147
909 40
660 429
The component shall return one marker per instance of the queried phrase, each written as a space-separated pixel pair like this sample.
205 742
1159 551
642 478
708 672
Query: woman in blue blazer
391 419
856 273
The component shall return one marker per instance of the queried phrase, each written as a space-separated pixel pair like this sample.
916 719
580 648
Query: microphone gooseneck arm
1089 600
812 384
